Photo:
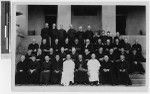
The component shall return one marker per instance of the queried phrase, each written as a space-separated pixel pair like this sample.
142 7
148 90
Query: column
64 16
109 18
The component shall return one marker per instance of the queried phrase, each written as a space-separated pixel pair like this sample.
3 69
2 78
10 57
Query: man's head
106 58
111 50
122 57
87 41
80 56
57 57
108 41
33 41
99 41
93 56
108 33
68 56
80 28
88 27
62 49
47 58
76 40
29 52
100 49
39 51
44 41
56 41
71 27
54 25
66 40
86 51
46 25
22 57
33 58
73 49
126 40
51 50
117 34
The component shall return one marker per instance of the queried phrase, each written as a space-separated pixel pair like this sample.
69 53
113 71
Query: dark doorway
50 20
121 24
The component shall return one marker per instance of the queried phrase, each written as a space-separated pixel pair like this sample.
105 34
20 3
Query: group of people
79 57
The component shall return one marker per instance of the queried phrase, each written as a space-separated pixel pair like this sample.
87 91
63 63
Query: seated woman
93 70
106 71
45 71
68 71
57 65
122 71
135 65
81 76
21 71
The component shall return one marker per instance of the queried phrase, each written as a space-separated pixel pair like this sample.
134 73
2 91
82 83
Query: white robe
93 70
68 72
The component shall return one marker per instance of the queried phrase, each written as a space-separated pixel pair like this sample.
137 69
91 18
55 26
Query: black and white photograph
77 45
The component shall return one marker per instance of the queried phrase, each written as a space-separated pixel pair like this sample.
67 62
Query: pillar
109 18
64 16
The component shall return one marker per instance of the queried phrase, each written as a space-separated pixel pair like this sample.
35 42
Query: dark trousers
45 77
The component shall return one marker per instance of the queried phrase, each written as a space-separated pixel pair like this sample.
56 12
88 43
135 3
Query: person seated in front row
21 71
122 66
136 66
81 76
57 65
46 68
33 46
106 71
68 71
44 47
33 71
136 46
93 70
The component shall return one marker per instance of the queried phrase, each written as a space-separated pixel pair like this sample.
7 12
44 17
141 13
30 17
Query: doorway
121 24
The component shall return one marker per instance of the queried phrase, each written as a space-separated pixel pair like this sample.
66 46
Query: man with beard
57 70
68 71
21 71
93 70
81 76
46 71
122 71
45 32
106 71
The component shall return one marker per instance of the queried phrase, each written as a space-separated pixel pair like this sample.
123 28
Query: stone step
138 81
137 76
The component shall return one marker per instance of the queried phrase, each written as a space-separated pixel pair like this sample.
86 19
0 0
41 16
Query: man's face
33 58
46 58
44 41
93 56
68 57
106 58
80 56
57 57
89 27
46 25
22 58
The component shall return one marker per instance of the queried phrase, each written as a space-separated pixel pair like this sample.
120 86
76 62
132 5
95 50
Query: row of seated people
112 67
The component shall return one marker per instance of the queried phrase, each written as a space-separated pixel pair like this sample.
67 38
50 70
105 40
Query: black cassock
89 47
78 47
71 34
74 56
21 72
62 55
122 72
56 47
106 76
33 77
87 57
45 76
44 47
88 35
62 35
45 34
67 48
81 76
56 71
80 35
33 47
136 67
54 35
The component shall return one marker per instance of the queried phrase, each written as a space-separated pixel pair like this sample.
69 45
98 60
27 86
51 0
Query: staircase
138 79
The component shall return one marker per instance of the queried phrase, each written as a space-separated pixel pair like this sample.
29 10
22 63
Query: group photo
80 45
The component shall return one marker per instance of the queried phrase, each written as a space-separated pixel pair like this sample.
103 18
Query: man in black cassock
88 33
88 45
136 46
67 46
33 46
109 36
54 33
81 76
44 47
33 71
21 71
135 63
56 46
78 46
87 55
71 33
74 54
122 71
106 71
57 65
62 34
45 32
46 68
62 54
80 35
